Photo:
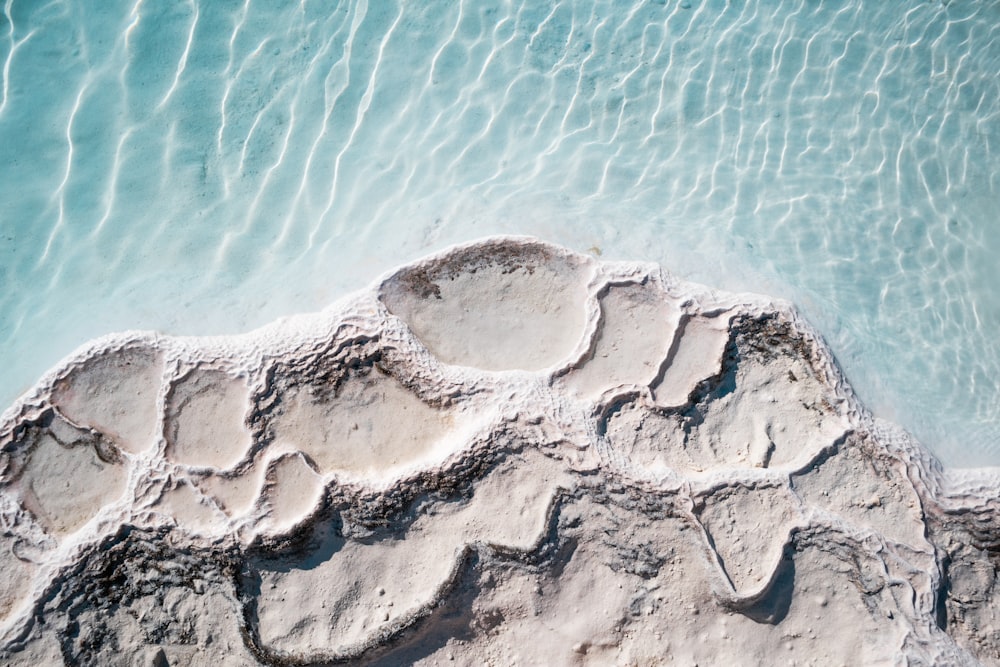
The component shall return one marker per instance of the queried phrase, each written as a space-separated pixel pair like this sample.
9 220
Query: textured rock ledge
506 453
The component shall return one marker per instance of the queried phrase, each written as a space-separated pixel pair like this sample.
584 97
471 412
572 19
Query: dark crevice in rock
773 606
110 577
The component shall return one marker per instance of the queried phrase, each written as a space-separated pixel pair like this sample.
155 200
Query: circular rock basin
502 305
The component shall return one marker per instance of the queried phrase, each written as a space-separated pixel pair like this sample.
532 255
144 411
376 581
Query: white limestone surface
503 454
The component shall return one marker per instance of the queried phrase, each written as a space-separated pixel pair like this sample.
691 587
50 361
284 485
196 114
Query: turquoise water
204 167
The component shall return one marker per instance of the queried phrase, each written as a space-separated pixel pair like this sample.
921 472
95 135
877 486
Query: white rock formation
504 454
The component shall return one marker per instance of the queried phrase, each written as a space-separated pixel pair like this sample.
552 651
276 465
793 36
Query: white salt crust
503 453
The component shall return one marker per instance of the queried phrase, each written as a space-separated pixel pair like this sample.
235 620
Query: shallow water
205 167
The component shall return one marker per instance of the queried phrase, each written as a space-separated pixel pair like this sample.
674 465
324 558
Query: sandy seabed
507 453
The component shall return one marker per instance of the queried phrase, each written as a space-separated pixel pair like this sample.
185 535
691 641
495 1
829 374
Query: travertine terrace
507 453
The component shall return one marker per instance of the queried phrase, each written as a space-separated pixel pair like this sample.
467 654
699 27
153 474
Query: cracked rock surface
506 453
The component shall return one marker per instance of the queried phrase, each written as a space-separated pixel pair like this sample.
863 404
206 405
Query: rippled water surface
206 166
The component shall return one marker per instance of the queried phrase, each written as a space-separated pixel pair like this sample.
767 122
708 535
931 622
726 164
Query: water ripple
204 167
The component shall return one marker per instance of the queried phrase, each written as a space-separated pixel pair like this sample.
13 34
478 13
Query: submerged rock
507 452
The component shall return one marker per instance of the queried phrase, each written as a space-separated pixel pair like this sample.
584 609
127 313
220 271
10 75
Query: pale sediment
507 452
